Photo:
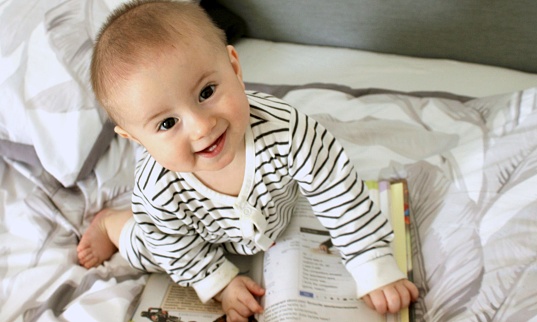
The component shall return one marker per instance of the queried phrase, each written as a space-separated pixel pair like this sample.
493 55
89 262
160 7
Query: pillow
48 112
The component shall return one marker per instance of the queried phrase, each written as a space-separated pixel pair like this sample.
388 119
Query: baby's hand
392 297
238 299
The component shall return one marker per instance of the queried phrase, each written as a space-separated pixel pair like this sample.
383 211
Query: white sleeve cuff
217 281
375 274
125 237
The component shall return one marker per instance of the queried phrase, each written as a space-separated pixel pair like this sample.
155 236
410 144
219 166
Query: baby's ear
234 59
124 134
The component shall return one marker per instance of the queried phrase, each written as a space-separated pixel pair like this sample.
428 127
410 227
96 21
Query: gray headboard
492 32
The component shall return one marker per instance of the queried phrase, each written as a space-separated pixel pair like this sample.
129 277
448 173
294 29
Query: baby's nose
201 125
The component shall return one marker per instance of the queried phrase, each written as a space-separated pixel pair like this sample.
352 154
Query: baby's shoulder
269 108
150 175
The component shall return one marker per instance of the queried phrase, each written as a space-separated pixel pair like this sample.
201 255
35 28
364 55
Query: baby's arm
238 299
392 297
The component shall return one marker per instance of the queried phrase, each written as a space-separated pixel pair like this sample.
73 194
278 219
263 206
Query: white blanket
471 168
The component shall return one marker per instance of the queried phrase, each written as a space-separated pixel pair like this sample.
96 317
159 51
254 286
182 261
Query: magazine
303 276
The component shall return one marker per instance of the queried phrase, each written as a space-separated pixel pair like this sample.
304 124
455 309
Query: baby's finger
404 298
234 316
413 289
242 309
379 301
254 288
393 298
249 302
367 301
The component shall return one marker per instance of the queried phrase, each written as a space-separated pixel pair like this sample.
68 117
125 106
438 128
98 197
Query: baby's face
187 107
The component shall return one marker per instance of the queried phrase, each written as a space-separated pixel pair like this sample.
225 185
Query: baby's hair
137 31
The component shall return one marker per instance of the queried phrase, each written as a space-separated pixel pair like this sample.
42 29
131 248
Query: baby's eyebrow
150 118
202 78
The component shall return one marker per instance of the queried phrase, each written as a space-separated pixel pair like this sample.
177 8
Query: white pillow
48 111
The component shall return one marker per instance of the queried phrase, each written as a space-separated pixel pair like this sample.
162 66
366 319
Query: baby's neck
227 181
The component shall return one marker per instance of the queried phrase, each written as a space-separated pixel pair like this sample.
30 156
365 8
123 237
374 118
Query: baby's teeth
211 149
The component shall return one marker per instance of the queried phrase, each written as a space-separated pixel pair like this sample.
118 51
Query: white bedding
471 169
284 63
471 166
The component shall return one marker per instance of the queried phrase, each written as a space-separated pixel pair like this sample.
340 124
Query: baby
222 167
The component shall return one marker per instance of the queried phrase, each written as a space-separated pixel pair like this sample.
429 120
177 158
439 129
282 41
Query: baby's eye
167 124
207 92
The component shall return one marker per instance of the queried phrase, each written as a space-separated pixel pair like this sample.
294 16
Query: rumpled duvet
471 167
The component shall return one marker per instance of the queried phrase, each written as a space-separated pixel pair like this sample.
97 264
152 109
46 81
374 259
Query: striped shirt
185 228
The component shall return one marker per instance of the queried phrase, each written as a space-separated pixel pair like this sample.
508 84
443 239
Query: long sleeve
341 201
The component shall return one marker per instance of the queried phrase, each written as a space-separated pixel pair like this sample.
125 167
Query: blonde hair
137 31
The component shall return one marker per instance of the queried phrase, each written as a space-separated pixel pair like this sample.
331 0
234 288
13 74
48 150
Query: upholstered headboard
492 32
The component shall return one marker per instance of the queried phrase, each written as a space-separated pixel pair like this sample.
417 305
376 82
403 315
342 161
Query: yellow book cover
401 252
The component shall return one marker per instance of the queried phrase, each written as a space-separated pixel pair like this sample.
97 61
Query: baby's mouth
215 147
211 148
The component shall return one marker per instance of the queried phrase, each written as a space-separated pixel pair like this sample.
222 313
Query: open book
304 277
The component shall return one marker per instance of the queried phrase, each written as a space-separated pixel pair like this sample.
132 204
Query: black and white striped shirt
185 228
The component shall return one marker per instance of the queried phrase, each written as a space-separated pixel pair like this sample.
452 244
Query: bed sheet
40 225
471 170
470 165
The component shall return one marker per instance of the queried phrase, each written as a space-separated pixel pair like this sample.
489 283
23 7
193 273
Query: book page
305 283
175 304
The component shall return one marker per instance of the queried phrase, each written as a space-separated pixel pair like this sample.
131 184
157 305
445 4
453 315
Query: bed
443 94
